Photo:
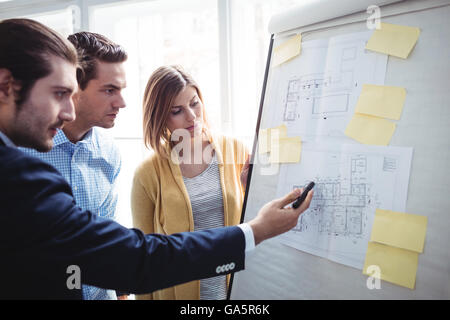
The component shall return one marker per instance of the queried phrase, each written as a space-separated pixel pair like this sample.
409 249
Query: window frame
83 14
82 21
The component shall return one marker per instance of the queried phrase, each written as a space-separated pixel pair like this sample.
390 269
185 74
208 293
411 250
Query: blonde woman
193 181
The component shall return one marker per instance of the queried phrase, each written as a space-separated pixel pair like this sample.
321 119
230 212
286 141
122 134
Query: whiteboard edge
318 11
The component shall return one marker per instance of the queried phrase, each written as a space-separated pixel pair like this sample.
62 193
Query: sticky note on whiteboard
266 135
370 130
287 50
394 40
399 229
263 141
395 265
381 101
286 150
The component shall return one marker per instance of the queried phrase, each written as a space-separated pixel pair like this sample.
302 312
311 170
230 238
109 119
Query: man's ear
6 83
76 95
9 87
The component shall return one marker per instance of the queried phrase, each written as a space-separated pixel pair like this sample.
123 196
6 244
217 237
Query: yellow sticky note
278 132
398 229
286 150
263 141
381 101
265 137
370 130
287 50
395 265
394 40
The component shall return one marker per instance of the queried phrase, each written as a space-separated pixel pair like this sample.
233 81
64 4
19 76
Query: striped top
205 194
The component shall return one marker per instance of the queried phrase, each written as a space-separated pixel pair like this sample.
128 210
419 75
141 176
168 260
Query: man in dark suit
48 245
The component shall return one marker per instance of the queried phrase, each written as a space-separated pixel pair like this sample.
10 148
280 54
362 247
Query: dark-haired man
86 157
47 243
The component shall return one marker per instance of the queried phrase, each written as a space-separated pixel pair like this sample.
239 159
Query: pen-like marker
302 197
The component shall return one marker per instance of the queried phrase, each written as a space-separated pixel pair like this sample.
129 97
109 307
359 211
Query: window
157 33
60 21
250 40
222 43
58 18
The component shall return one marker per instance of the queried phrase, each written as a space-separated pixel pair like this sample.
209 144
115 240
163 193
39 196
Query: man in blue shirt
86 157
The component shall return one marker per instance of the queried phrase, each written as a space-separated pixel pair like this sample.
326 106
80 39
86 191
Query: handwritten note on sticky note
370 130
287 50
398 229
381 101
286 150
396 265
394 40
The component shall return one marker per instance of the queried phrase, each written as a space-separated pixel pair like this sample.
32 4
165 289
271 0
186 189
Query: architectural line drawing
315 97
351 182
326 94
339 205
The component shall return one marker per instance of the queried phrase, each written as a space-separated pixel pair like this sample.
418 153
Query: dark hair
91 47
25 47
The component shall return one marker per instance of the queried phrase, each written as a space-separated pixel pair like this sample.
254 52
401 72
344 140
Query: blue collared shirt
91 167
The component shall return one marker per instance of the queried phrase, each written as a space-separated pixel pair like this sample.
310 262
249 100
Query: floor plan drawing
324 95
316 94
339 206
351 182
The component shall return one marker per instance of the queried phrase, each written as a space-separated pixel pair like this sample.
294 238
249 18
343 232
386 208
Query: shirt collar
61 137
6 140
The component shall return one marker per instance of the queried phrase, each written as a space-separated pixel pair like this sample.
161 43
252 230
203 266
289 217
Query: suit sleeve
51 227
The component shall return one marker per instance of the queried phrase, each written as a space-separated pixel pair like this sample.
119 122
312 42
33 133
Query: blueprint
314 96
316 93
351 181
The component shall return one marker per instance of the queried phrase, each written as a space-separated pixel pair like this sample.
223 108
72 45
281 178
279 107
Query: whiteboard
277 271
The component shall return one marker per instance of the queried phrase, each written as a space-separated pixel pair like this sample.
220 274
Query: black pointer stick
302 197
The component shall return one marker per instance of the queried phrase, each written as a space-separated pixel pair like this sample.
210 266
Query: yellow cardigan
160 202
